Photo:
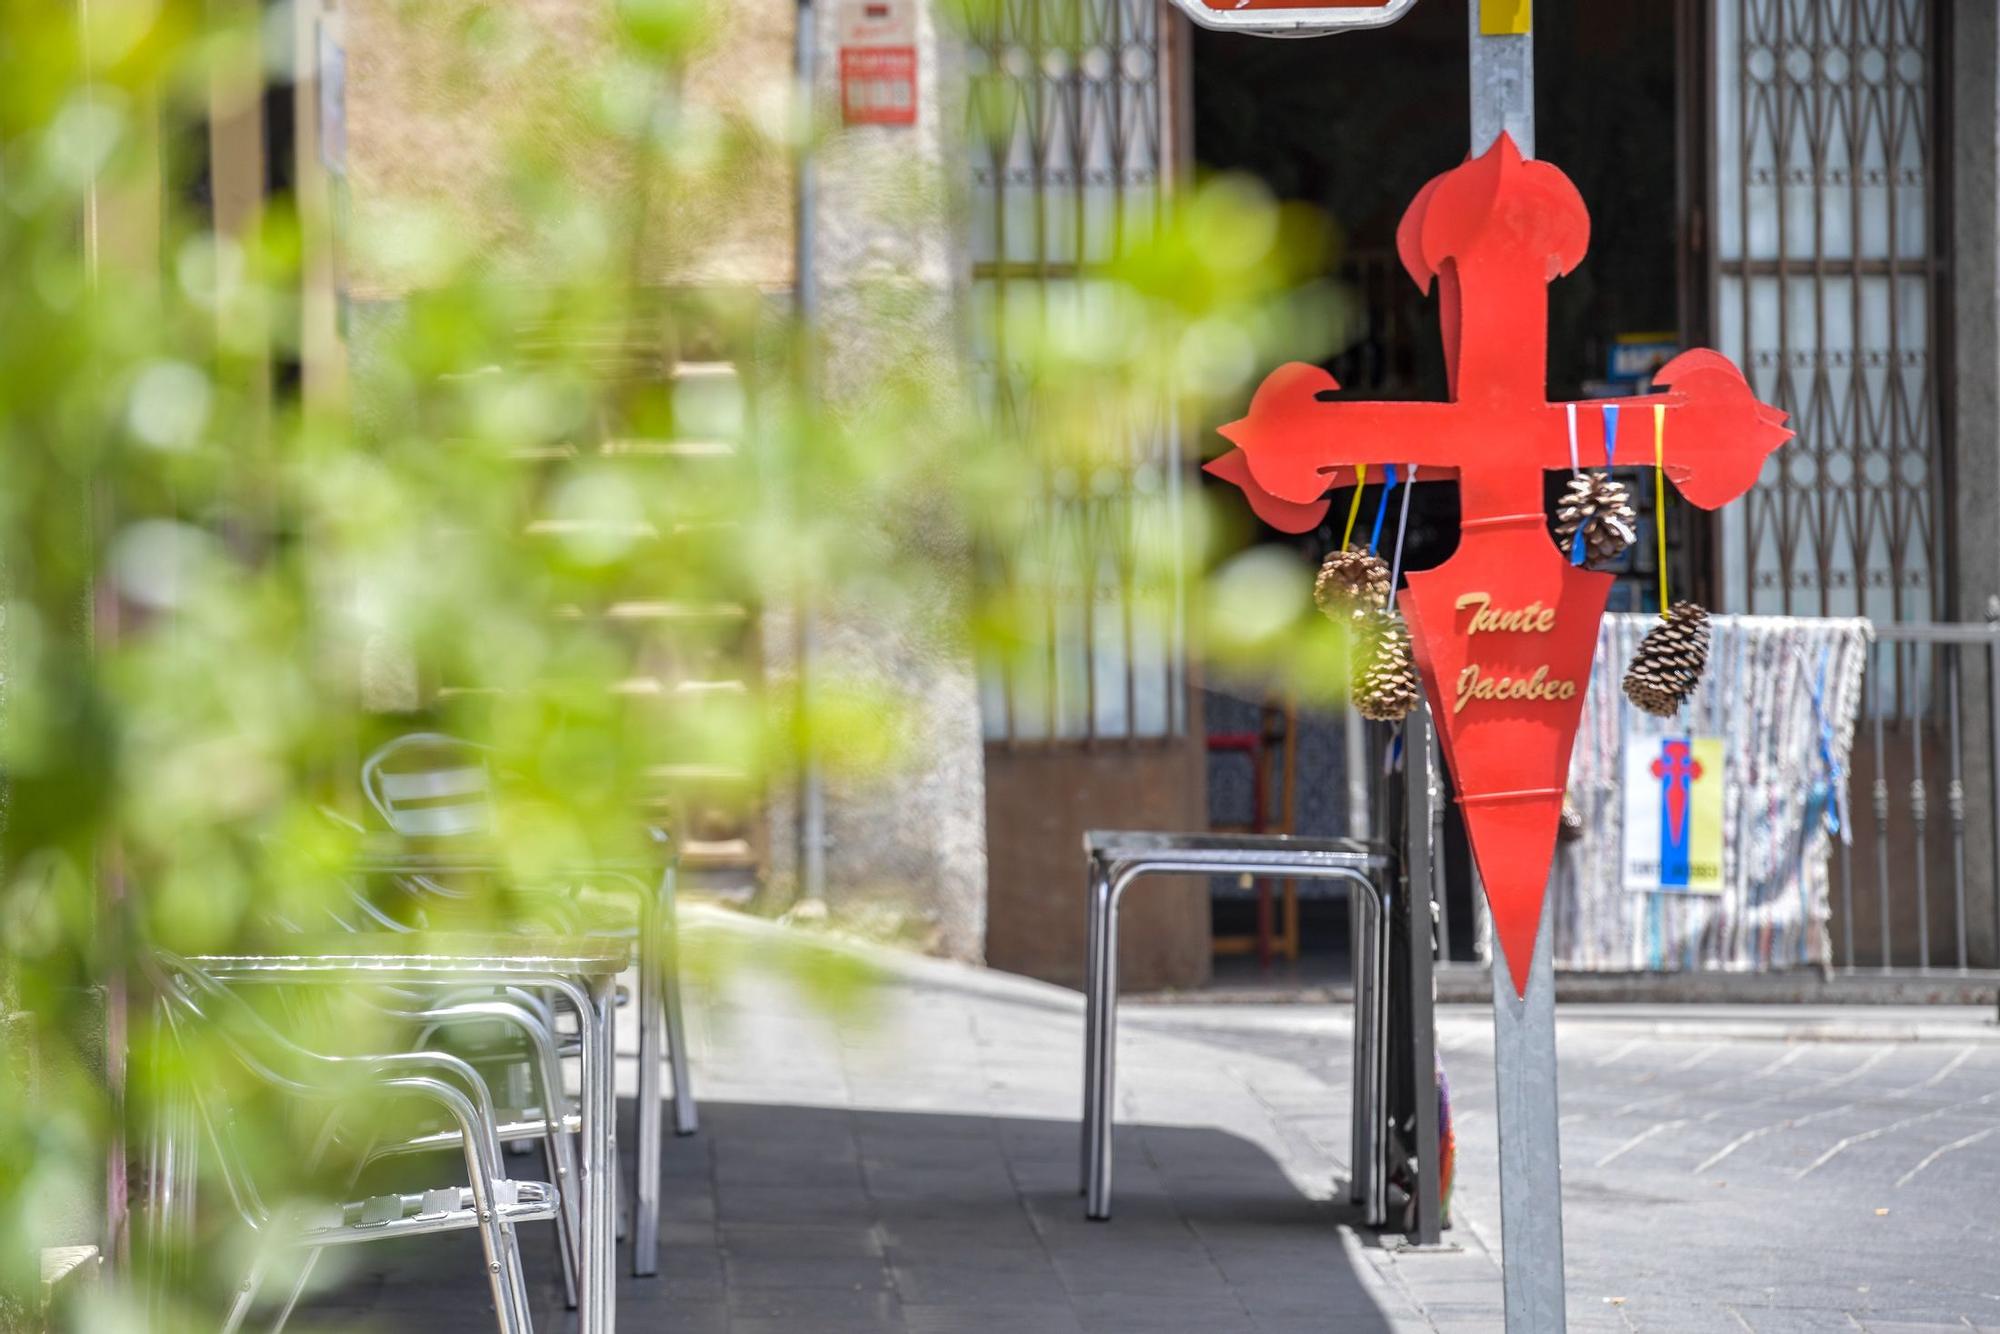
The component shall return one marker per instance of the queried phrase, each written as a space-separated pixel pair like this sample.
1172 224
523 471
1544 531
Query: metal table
583 970
661 1028
1116 858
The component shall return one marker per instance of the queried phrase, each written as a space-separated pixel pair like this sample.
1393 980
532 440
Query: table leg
646 1186
686 1121
597 1021
1087 1139
1097 1195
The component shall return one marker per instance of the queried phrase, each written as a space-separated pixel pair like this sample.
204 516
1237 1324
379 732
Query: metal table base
1117 858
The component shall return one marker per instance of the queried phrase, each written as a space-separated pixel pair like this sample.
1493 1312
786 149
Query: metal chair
436 791
492 1203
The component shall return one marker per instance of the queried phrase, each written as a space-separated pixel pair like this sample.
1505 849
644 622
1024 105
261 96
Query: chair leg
298 1289
559 1155
245 1298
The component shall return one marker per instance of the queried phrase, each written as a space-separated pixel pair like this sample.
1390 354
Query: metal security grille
1070 134
1825 267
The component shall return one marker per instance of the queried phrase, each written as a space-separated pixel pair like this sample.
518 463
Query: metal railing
1932 907
1916 873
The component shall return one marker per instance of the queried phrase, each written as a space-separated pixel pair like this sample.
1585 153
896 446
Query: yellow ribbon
1354 506
1660 494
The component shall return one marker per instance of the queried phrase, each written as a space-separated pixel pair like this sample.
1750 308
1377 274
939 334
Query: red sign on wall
878 85
878 62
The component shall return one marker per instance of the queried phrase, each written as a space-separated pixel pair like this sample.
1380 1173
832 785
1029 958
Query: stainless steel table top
440 954
1225 850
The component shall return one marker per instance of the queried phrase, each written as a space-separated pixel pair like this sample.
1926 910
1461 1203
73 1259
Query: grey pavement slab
910 1164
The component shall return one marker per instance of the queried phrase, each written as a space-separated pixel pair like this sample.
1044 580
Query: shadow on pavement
810 1220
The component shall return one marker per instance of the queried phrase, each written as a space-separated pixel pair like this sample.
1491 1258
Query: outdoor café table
1116 858
660 1022
582 969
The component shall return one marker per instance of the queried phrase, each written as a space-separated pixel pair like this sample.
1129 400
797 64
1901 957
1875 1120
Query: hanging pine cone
1670 661
1571 828
1602 508
1385 683
1351 582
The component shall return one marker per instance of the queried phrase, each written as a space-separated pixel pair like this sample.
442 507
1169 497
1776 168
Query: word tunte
1472 684
1533 619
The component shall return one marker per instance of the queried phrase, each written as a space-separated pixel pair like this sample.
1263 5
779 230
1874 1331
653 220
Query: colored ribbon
1354 506
1382 510
1402 531
1660 495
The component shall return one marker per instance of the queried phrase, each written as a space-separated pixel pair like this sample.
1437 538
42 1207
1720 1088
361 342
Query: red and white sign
1294 17
878 62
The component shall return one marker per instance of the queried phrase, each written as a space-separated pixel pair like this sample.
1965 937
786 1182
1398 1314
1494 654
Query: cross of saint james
1505 628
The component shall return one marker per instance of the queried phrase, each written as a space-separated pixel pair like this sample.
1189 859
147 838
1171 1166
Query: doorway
1354 126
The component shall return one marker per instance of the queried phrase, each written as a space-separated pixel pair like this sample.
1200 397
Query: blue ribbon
1610 461
1382 511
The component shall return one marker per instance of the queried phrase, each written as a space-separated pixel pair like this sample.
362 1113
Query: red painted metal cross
1504 629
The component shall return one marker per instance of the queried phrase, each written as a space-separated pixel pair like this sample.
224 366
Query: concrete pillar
890 282
1973 284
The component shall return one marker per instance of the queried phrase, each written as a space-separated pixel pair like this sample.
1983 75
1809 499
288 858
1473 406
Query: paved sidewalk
911 1166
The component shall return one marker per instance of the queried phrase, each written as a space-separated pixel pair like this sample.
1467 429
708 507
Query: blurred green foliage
220 592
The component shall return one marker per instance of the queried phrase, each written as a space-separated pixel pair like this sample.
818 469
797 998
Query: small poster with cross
1673 814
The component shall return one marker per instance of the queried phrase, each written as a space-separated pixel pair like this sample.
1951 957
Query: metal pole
812 786
1502 69
1418 794
1524 1074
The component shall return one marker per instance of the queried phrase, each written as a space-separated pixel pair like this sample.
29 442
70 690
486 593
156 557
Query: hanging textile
1776 714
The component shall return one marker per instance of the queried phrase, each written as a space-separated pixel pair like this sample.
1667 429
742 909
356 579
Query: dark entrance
1354 126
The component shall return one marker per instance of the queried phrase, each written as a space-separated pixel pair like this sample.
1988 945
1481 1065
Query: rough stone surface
911 1166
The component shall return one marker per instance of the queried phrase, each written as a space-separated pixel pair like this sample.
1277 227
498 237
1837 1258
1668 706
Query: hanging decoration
1670 661
1674 654
1350 583
1595 521
1386 684
1383 678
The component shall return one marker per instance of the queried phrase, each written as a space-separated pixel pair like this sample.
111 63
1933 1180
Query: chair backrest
429 785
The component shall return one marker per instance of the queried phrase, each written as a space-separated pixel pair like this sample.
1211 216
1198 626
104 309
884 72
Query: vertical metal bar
1423 994
811 797
1097 1197
1360 1131
1093 897
647 1115
1920 806
1881 807
1524 1069
672 1013
1503 86
1993 765
603 1141
1434 792
1954 796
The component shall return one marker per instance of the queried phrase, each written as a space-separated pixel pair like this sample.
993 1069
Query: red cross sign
1505 629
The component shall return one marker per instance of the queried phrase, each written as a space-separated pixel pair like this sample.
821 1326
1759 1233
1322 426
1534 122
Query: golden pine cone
1351 582
1670 661
1602 508
1385 682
